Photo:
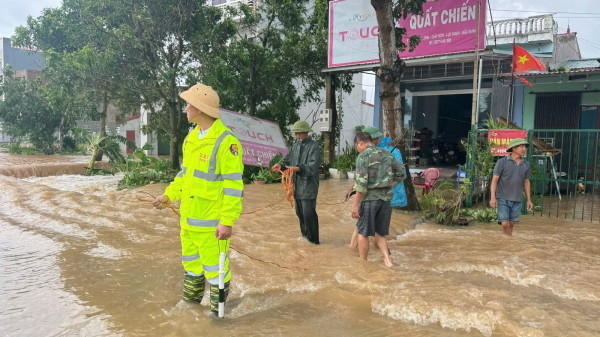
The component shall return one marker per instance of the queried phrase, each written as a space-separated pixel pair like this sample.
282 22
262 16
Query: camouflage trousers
193 291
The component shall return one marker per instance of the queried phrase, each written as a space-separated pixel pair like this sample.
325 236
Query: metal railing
565 172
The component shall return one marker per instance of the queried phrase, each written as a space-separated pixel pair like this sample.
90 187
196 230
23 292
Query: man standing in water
377 172
399 199
511 176
304 159
210 188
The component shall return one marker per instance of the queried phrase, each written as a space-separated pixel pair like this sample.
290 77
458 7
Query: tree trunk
174 150
61 136
102 130
390 72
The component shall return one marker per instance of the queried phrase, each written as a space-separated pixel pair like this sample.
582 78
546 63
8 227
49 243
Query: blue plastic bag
399 199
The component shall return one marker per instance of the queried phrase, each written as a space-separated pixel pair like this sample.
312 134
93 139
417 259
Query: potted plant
261 177
322 174
334 172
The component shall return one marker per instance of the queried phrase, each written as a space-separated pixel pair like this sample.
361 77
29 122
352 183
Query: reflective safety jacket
210 183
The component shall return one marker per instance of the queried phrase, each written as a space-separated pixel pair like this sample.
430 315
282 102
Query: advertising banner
446 26
499 140
353 33
261 139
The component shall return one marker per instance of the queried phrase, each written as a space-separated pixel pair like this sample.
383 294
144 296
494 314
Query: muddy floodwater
78 258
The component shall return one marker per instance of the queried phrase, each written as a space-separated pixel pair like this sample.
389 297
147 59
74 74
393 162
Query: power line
556 17
590 43
544 12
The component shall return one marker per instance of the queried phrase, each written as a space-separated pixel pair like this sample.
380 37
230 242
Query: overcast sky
14 13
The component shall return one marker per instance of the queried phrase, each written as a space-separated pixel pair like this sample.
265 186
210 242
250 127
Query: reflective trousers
200 255
306 210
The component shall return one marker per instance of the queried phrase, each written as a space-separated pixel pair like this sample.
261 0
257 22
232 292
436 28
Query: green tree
79 55
38 110
146 44
390 72
270 66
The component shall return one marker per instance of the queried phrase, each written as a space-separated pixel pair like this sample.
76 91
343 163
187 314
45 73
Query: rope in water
253 258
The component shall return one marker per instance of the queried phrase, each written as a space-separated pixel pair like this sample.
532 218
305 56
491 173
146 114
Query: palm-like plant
109 145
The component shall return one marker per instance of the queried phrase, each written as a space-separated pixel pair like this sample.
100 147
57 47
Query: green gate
565 170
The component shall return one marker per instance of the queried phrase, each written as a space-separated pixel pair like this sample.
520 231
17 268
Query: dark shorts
375 216
508 211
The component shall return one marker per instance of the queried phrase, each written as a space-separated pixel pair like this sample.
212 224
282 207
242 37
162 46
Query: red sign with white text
499 140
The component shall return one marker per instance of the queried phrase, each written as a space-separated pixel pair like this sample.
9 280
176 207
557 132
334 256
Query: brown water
78 258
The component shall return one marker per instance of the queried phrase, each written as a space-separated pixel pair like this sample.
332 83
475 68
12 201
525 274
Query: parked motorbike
450 155
436 156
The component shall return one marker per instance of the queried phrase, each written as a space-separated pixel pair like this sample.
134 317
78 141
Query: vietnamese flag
523 61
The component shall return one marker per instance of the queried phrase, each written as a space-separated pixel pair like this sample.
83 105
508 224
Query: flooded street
78 258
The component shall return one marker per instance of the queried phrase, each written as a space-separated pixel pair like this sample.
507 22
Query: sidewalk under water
80 258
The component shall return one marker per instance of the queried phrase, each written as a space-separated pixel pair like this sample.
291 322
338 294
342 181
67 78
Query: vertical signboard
261 140
353 33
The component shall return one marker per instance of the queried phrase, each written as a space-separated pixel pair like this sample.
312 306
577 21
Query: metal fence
565 170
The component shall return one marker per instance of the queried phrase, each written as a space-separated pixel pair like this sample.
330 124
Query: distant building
20 58
27 64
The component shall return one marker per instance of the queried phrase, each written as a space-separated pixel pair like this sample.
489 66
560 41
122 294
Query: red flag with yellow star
523 61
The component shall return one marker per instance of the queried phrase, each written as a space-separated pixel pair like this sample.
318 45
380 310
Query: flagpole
475 69
512 88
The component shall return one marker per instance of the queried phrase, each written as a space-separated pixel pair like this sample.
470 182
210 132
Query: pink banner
446 27
261 140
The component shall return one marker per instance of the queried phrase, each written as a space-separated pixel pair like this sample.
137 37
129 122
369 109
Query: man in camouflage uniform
377 173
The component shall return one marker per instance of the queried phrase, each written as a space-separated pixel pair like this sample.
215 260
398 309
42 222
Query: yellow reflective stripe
232 192
211 174
232 176
210 269
193 274
202 223
190 258
212 166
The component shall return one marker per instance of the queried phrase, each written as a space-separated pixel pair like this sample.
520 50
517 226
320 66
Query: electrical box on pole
325 119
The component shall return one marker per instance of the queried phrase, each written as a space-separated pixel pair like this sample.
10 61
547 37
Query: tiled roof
580 64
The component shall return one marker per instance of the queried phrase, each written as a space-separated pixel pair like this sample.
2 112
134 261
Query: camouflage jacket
376 171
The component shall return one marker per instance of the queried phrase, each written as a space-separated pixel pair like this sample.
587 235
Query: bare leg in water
381 243
507 227
363 247
354 239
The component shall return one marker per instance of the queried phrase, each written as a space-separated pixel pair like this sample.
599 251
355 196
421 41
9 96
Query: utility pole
329 148
473 135
476 69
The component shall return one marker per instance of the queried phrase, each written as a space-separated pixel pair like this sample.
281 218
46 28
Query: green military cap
516 142
301 126
373 132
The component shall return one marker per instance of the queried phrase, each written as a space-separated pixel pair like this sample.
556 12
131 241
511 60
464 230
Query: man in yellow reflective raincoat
210 188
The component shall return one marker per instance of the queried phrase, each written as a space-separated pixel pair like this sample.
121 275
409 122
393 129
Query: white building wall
355 111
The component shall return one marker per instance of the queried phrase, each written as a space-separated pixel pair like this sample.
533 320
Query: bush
15 148
29 150
141 170
483 215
